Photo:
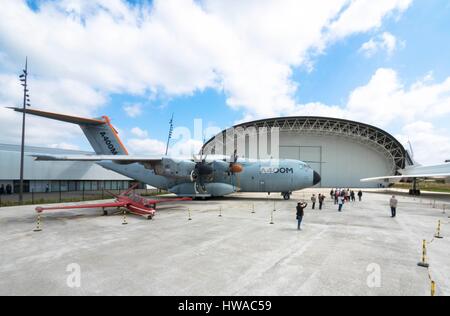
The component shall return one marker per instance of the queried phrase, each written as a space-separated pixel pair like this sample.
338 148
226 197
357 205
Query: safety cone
438 231
424 263
433 288
38 224
124 218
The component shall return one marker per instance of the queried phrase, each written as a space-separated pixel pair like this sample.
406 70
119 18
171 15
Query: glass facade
71 186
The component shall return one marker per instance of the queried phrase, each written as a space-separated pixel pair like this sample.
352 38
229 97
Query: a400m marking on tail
109 143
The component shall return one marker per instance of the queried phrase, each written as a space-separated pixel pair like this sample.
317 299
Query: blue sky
225 62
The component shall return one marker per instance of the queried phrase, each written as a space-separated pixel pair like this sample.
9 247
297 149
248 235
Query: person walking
8 189
332 194
359 195
313 201
336 195
340 202
2 189
321 199
352 196
300 213
393 202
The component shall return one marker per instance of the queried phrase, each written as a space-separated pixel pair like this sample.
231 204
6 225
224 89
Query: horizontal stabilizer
102 136
61 117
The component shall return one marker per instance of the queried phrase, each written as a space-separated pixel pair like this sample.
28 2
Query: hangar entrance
312 155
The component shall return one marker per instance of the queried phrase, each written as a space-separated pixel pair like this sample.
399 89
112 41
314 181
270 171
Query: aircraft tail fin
102 136
410 162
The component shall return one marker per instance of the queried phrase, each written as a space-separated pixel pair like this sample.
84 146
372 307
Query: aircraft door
262 185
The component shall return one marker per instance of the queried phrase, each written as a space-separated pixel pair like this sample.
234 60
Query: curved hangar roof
368 135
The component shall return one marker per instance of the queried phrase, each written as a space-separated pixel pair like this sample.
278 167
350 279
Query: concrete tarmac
361 251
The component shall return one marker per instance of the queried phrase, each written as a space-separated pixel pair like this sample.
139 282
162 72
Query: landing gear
415 190
286 195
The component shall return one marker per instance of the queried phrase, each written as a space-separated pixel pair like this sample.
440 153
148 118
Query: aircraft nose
316 178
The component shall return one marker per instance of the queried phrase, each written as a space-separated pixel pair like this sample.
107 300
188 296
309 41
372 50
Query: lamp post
170 134
26 102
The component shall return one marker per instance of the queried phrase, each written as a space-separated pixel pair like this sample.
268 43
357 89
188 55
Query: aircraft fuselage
257 176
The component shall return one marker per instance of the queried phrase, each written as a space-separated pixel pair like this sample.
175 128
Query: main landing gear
286 195
415 189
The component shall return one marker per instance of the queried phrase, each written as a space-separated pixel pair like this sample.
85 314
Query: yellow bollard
433 288
438 231
271 218
38 224
424 263
189 212
124 222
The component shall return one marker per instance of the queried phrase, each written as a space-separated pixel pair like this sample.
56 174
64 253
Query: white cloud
146 146
430 144
64 146
364 15
385 42
149 146
185 148
60 96
385 100
245 48
140 133
133 110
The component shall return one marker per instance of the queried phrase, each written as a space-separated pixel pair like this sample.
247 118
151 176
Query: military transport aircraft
133 202
202 176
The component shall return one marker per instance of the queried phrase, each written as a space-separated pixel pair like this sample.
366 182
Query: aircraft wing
170 200
126 159
40 209
408 176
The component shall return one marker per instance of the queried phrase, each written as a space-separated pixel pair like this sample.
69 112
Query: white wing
409 176
118 158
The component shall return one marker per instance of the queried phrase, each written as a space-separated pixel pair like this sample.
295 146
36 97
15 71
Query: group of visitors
320 198
347 195
340 197
5 190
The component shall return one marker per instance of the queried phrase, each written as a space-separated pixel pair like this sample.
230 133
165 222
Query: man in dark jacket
360 195
321 199
300 212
